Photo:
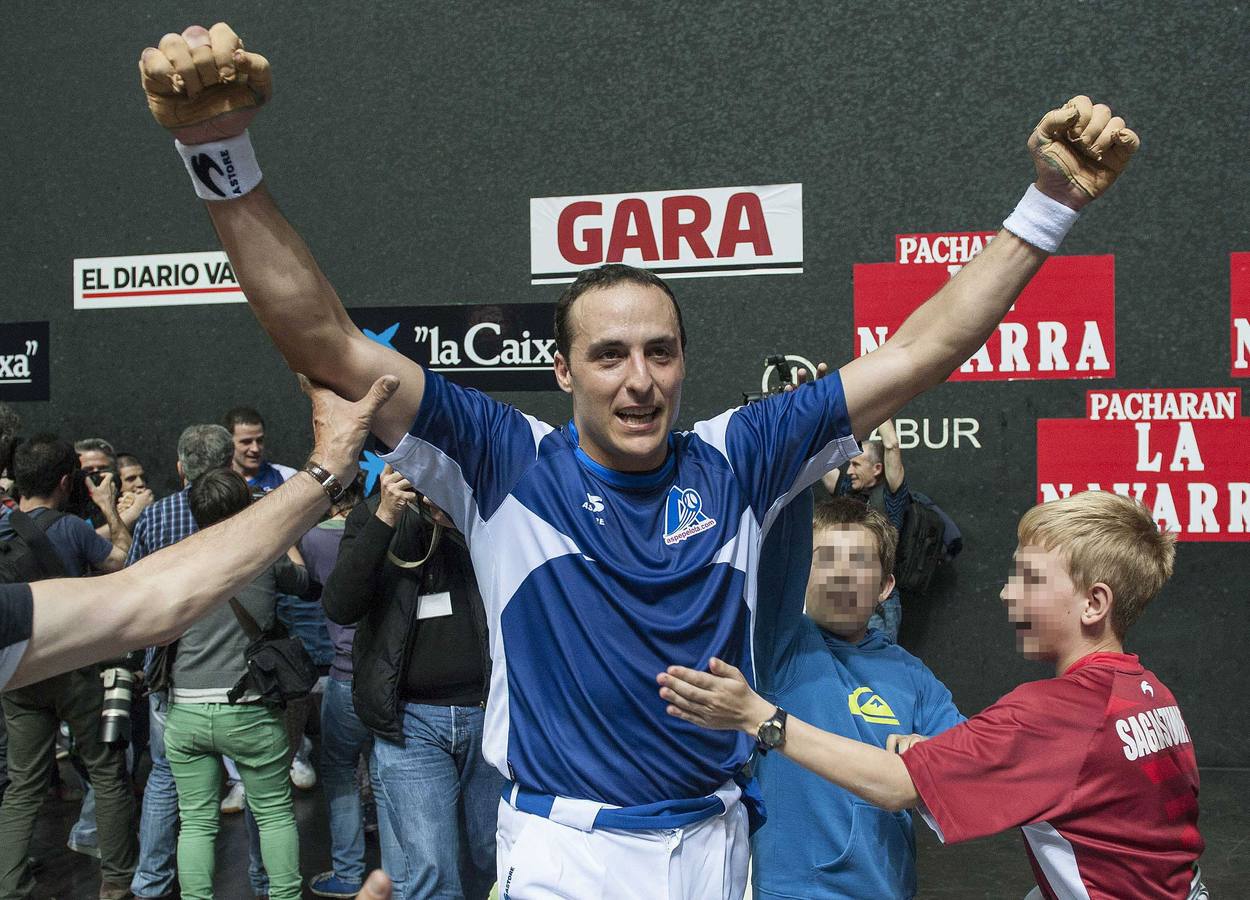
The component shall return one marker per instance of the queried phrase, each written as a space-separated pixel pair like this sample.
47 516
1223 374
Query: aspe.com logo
683 233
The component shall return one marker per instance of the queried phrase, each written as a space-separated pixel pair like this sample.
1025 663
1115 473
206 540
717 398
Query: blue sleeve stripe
490 444
783 444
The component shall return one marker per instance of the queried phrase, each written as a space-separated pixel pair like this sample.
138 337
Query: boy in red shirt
1095 765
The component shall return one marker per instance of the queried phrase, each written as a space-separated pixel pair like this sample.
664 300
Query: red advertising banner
1239 314
1182 453
1061 327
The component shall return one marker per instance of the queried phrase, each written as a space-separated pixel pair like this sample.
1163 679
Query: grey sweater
210 660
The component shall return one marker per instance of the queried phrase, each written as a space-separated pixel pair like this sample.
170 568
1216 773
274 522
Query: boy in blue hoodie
828 668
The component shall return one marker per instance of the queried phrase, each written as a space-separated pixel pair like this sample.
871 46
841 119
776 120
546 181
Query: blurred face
1043 604
132 478
249 449
625 373
864 472
845 585
93 461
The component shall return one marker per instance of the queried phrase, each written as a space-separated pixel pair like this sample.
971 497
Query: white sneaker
234 799
303 775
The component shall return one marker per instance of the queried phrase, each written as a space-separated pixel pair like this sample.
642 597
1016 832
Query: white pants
538 858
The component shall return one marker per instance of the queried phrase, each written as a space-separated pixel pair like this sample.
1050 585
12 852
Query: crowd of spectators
385 602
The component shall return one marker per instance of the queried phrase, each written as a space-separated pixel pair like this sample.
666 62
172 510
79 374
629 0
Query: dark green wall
405 140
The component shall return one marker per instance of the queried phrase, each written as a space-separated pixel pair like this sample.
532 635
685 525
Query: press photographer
40 540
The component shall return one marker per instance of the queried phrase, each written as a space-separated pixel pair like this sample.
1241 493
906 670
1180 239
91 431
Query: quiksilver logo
204 165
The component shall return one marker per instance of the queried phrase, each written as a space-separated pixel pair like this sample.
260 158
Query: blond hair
1105 538
840 511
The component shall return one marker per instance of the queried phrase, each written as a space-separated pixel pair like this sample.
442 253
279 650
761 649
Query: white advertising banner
157 279
677 234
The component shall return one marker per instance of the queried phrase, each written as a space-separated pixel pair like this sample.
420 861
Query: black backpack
29 555
924 544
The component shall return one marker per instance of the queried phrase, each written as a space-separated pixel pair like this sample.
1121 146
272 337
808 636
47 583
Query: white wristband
1041 221
221 170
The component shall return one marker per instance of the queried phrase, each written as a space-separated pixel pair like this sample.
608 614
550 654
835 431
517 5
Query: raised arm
79 620
204 88
1078 151
891 456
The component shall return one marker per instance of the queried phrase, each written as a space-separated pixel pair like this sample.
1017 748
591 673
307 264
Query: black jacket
381 598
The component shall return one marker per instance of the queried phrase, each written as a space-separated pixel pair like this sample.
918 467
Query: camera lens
115 716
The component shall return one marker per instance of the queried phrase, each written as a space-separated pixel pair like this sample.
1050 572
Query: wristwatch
772 733
329 483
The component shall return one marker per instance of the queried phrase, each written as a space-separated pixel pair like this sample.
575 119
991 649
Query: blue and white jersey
596 580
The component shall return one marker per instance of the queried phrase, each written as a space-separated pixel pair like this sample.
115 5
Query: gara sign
1182 453
24 368
502 347
677 234
1061 327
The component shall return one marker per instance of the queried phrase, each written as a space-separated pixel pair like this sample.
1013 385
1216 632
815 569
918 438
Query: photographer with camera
46 472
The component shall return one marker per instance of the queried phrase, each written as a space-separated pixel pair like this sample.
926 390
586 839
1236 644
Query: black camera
785 375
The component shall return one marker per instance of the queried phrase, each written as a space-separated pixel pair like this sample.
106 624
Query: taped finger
224 42
1055 124
185 78
1084 110
253 69
1102 142
1127 140
155 72
205 65
1098 119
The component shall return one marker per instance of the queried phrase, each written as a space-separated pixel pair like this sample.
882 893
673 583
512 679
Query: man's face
625 374
93 461
845 585
249 448
864 472
1043 604
131 477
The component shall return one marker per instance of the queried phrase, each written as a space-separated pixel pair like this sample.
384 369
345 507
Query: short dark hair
606 276
242 415
10 425
40 463
218 494
839 511
128 459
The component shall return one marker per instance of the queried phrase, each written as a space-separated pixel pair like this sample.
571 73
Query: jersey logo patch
593 503
684 516
1147 688
874 709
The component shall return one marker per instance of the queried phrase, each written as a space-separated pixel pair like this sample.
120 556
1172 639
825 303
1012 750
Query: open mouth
1022 625
638 416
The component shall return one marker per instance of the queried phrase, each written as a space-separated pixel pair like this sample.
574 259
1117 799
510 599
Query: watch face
770 733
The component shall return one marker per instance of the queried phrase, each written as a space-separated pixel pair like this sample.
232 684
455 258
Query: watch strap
329 482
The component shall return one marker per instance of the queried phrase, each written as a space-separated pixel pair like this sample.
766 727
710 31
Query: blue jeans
890 615
343 738
442 800
158 823
306 620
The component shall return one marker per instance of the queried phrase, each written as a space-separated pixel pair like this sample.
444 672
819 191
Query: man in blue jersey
832 668
610 546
